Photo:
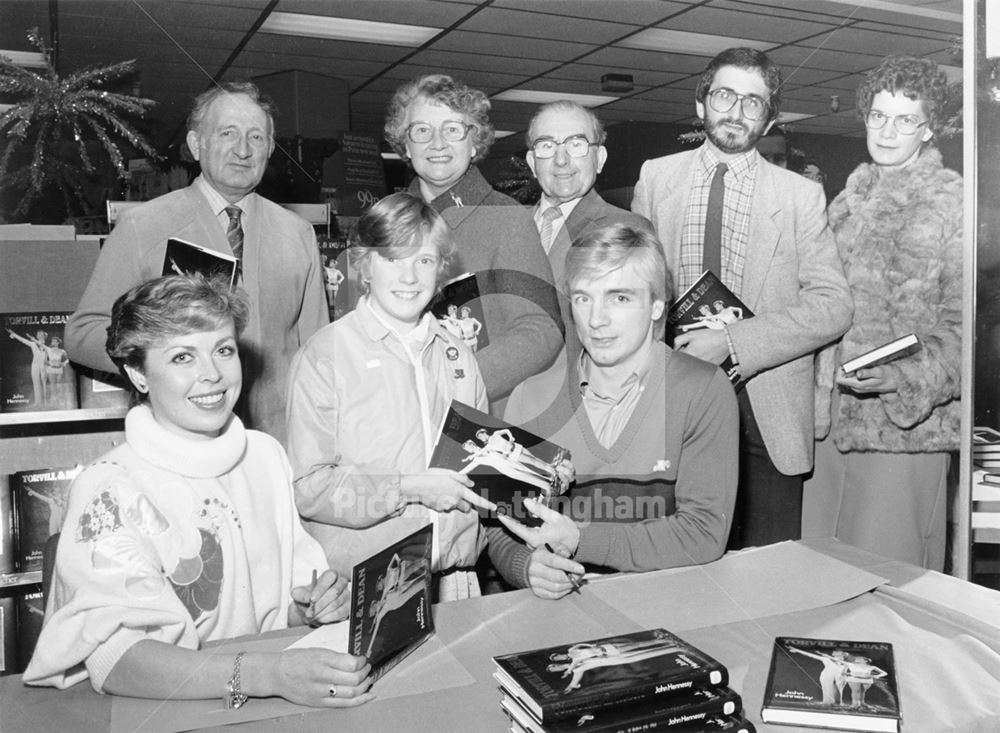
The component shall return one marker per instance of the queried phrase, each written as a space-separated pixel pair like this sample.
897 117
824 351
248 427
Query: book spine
686 715
657 690
8 564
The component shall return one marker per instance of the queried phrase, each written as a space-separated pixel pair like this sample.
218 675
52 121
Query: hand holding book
551 572
442 489
870 380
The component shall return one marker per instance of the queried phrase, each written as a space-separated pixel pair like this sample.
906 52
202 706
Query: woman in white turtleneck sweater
188 531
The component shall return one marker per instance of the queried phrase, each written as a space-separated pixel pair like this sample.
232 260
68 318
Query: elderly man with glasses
566 152
763 231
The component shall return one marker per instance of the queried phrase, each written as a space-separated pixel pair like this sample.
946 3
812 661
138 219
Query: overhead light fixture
26 59
501 134
617 83
391 156
696 44
786 117
537 97
898 7
347 29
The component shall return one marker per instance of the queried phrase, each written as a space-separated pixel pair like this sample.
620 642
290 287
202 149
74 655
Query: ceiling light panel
696 44
347 29
538 97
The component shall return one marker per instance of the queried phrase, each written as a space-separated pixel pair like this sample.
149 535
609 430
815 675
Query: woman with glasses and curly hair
442 128
885 432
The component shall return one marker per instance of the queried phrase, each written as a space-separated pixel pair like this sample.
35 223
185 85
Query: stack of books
645 680
986 448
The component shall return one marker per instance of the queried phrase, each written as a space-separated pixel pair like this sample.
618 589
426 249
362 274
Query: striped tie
234 233
545 233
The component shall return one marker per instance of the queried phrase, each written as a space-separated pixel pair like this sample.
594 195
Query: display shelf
61 416
14 580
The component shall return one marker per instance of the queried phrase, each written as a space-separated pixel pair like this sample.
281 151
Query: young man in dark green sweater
653 432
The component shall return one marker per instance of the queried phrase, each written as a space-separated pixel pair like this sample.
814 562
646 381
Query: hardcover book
825 683
8 559
40 498
572 680
708 303
183 258
102 389
8 635
460 310
35 371
338 276
30 611
507 463
883 354
391 601
695 710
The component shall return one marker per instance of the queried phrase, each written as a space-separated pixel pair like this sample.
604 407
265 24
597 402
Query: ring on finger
333 692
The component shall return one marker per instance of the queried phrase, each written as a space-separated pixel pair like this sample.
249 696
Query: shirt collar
566 208
639 375
377 329
216 200
739 166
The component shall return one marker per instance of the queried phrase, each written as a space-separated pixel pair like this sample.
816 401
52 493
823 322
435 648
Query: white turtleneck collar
192 458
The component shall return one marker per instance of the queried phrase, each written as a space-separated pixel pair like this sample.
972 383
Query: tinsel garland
49 111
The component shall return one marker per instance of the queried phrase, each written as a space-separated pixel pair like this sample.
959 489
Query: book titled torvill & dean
708 303
882 354
570 680
459 309
704 708
184 258
826 683
391 602
507 463
35 371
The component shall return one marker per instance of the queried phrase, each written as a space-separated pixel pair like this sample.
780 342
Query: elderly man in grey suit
231 135
566 152
772 248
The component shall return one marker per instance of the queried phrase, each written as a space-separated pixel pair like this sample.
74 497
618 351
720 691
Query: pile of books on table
642 681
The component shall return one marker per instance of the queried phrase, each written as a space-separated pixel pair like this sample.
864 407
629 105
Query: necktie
711 255
234 232
545 233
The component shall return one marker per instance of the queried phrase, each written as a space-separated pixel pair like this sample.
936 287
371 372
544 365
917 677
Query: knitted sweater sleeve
109 590
705 492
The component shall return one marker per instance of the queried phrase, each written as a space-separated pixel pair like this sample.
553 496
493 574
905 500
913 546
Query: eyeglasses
576 146
452 131
752 107
904 124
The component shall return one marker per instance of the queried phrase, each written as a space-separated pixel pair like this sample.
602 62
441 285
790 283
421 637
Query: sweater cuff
106 656
595 545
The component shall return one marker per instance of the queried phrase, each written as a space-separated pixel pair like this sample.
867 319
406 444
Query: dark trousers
768 503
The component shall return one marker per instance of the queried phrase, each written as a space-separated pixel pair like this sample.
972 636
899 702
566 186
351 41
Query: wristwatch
235 697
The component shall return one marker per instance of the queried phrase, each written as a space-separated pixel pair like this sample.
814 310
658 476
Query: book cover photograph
848 685
693 711
883 354
708 303
570 680
40 498
35 371
507 463
459 309
102 389
391 601
338 276
183 258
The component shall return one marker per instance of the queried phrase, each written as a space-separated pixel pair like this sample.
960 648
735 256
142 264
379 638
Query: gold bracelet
235 697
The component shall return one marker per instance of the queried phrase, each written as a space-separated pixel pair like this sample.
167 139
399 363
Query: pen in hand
312 601
572 578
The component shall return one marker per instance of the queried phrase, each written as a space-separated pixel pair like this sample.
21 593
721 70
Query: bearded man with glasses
566 153
763 231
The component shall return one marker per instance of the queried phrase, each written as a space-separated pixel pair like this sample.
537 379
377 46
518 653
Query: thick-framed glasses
452 131
904 124
576 146
724 99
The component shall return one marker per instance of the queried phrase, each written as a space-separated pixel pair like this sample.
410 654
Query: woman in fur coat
884 433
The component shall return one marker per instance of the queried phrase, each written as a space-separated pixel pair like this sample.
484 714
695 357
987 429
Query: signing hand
872 380
549 574
442 489
327 601
708 344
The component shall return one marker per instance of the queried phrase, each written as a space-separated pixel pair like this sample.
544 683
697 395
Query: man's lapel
765 232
